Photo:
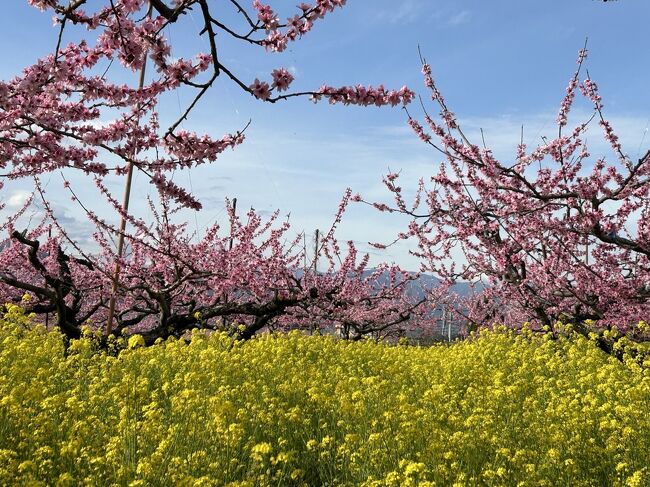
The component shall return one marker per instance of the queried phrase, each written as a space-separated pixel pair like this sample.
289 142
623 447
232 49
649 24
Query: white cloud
306 173
459 18
18 199
411 11
405 12
503 133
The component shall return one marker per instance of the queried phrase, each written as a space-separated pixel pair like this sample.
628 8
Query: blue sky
500 64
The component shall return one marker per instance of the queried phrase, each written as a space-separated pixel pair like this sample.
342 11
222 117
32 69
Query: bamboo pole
234 212
47 315
316 251
224 320
125 206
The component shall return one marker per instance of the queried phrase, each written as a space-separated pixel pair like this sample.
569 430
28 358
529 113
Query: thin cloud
412 11
405 12
502 134
461 17
18 198
309 179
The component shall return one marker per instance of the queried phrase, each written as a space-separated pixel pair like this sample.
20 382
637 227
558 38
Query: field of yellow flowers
499 409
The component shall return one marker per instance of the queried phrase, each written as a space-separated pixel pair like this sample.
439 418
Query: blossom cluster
347 95
365 96
296 26
282 78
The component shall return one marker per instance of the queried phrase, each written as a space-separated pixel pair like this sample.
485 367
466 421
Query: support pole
125 206
316 238
47 315
234 212
224 320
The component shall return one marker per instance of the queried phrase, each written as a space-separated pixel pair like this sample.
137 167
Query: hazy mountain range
418 288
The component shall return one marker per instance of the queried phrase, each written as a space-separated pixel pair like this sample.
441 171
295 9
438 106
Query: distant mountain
418 288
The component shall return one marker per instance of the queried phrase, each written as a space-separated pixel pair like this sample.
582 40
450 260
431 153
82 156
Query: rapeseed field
291 410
